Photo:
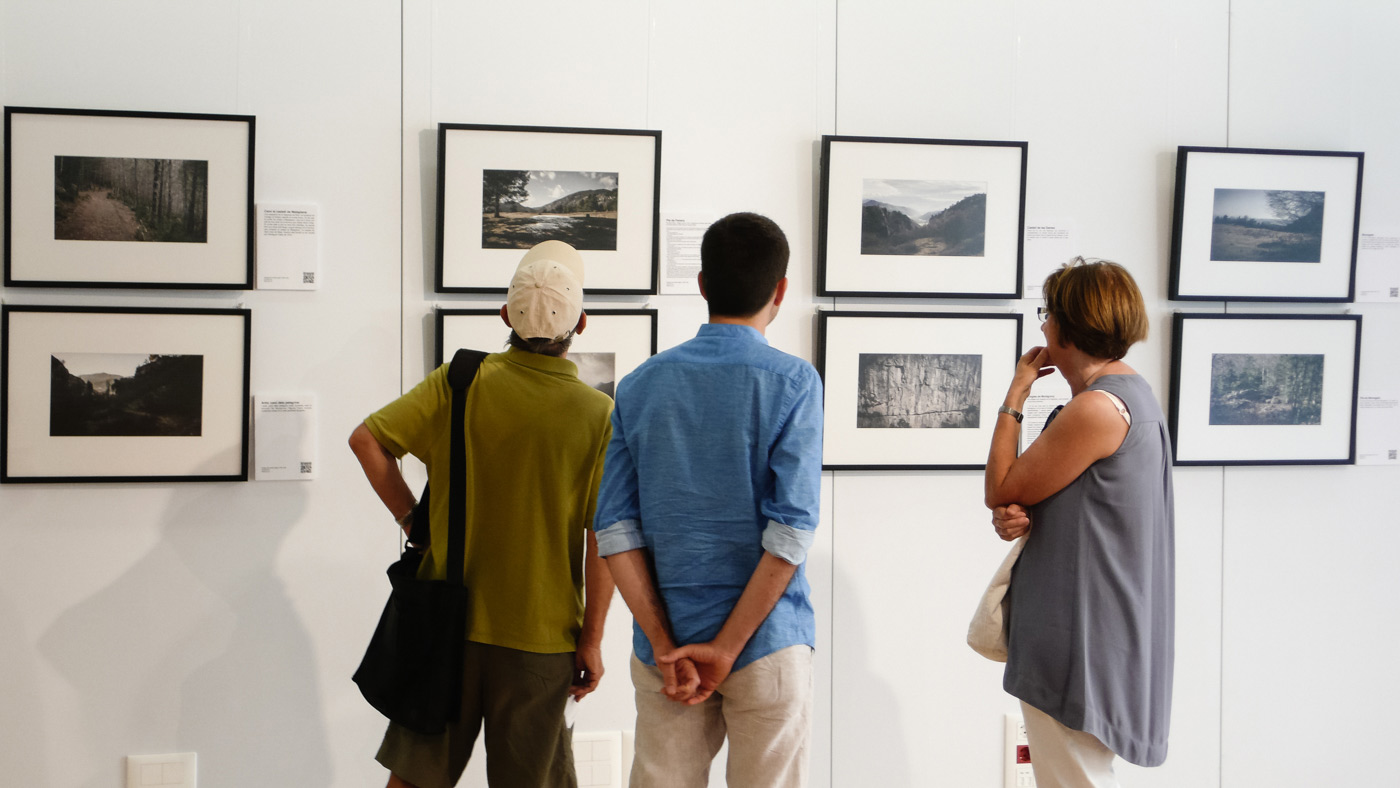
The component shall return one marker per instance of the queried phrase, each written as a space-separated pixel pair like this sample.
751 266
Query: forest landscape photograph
126 394
1255 389
1267 225
930 218
919 391
520 208
121 199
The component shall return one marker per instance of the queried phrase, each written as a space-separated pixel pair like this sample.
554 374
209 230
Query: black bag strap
459 376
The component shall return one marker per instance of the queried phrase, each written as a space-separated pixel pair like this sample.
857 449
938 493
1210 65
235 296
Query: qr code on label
308 277
306 467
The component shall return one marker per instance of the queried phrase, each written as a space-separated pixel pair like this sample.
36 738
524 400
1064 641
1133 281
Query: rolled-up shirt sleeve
794 504
617 522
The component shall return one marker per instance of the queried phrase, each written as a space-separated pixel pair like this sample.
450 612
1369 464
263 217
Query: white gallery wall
226 619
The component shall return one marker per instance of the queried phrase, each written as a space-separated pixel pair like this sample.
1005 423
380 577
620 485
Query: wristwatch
1012 412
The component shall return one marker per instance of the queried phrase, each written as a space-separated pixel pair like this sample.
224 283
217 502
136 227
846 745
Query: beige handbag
986 633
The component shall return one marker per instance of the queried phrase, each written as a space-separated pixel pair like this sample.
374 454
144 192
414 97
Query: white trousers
765 709
1066 758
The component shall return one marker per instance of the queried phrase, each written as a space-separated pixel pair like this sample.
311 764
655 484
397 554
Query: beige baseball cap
545 297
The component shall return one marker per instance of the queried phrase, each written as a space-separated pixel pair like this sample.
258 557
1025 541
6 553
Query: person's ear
582 323
780 291
505 315
700 277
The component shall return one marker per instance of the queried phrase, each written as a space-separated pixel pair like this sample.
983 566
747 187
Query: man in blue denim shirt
708 504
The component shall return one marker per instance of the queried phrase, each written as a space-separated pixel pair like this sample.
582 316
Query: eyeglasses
1042 313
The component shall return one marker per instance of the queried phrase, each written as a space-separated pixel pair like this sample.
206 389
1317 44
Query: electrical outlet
598 759
175 770
1017 757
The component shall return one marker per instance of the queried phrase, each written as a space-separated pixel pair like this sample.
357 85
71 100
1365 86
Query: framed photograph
1264 389
503 189
112 394
915 217
613 343
97 198
913 390
1265 225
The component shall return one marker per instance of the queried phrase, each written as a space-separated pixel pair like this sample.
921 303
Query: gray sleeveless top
1091 619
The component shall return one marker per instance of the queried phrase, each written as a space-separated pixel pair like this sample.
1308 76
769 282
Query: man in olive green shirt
536 436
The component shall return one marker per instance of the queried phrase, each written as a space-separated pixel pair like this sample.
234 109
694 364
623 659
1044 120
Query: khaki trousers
1066 758
765 709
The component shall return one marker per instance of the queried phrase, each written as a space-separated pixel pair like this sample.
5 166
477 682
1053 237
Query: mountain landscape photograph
929 218
1267 225
125 394
598 370
520 208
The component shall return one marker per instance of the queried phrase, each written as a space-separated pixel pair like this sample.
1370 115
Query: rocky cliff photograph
919 391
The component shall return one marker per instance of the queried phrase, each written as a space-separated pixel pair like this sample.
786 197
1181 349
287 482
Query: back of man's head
742 257
545 298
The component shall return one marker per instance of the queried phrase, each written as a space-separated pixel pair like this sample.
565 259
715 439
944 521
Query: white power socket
598 759
174 770
1018 754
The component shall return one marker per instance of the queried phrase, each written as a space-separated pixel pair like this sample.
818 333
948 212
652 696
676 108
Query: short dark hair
1097 307
743 257
542 345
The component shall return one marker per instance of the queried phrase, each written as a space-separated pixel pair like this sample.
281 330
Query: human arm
382 470
1086 430
715 659
633 577
598 588
617 526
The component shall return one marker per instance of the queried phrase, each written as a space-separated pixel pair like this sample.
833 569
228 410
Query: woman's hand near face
1032 366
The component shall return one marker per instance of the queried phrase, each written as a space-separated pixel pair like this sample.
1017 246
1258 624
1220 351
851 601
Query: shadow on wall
875 702
197 647
23 732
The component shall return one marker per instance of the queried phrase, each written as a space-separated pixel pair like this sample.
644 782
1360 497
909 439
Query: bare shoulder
1092 421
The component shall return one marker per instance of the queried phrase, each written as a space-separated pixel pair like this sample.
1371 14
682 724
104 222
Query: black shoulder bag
412 670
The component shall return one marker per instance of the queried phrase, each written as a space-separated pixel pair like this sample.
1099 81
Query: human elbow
363 442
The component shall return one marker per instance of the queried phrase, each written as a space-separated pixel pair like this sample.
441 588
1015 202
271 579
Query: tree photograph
125 394
1265 388
113 199
520 208
1267 225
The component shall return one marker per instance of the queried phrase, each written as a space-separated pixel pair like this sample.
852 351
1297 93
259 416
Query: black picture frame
612 345
969 195
867 421
476 254
128 199
1261 224
1264 389
124 394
